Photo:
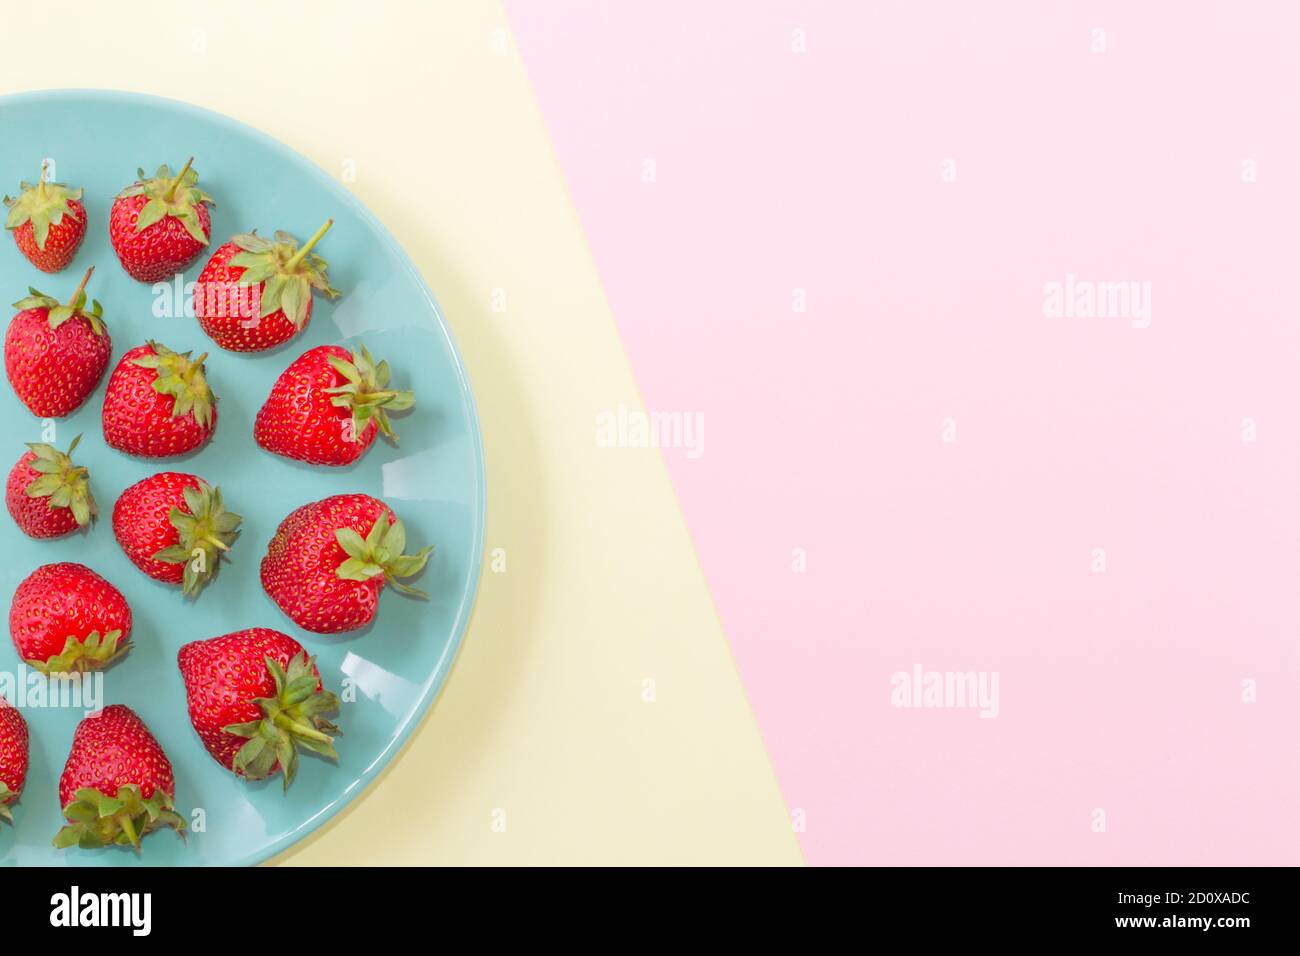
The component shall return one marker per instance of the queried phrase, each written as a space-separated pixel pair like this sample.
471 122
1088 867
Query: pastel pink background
821 171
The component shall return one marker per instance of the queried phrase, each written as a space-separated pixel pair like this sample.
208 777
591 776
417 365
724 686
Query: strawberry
255 294
159 226
174 527
255 699
48 496
66 618
325 575
327 407
13 756
48 222
117 785
158 403
56 354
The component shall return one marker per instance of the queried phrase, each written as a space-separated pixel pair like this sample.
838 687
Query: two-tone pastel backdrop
687 659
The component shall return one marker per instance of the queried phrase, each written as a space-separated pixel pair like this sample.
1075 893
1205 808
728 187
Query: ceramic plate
434 480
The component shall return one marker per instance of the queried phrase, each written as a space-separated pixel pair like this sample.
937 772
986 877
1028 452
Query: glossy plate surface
434 480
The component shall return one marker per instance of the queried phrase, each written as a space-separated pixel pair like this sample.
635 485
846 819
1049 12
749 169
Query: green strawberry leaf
64 483
181 378
251 242
155 210
43 204
295 294
91 654
286 272
291 721
380 552
58 312
176 196
97 819
365 392
206 531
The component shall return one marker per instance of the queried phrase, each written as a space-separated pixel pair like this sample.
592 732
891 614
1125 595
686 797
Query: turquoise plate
434 480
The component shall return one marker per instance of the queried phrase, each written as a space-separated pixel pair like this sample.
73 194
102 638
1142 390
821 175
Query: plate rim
441 672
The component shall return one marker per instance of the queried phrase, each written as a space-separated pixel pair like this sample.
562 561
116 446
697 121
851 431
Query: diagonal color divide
594 715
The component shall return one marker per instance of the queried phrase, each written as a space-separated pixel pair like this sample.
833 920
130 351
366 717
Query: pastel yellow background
543 725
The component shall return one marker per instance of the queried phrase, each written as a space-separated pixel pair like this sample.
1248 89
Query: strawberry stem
171 189
301 254
297 727
129 829
40 183
216 542
72 303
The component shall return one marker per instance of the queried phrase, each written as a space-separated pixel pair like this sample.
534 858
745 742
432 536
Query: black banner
1226 906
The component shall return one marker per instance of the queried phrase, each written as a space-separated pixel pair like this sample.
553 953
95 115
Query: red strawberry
174 527
117 785
255 294
255 699
159 226
325 575
66 618
48 221
48 496
56 354
158 403
327 407
13 756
